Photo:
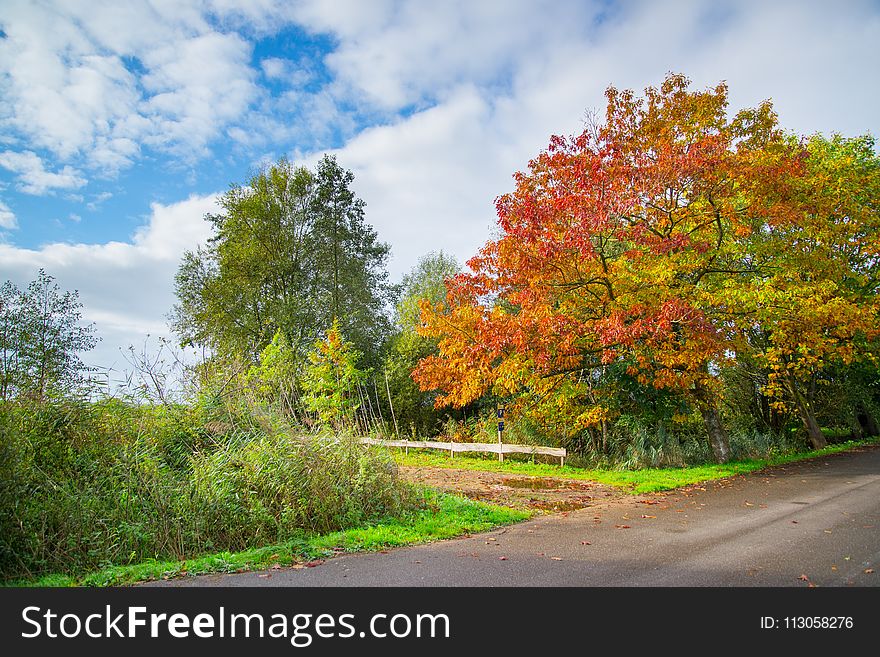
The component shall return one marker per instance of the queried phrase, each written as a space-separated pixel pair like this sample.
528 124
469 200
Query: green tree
290 252
332 378
40 337
349 263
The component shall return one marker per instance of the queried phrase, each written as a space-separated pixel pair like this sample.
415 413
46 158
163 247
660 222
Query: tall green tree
41 336
290 252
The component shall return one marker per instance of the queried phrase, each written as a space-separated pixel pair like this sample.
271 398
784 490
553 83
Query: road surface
814 522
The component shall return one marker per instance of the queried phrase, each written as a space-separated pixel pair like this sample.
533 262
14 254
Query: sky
122 122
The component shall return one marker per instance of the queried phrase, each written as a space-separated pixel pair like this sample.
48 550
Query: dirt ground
519 491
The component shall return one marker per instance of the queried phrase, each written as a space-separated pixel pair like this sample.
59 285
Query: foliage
638 260
413 408
331 380
442 516
291 252
88 484
40 336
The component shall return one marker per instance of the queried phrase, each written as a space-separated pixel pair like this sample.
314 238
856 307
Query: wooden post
500 432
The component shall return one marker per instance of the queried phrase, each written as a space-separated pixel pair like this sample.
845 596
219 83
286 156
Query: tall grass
84 485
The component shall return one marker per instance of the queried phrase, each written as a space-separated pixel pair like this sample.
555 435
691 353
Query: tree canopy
646 253
291 252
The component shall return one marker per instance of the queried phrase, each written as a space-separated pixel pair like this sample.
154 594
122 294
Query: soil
541 493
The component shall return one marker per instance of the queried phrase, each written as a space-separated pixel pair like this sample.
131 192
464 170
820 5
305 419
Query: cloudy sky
120 122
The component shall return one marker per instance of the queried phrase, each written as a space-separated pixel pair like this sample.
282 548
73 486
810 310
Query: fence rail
457 448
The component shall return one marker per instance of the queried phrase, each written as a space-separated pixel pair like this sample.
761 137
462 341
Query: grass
647 480
445 516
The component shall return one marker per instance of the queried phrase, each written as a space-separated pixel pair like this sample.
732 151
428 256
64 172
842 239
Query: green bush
85 485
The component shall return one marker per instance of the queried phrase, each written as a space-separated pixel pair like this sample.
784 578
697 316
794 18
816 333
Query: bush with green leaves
85 485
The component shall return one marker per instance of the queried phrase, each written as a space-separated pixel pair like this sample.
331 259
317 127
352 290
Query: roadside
811 523
470 495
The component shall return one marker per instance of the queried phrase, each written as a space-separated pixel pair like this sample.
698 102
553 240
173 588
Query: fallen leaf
834 568
794 522
585 543
265 576
644 516
560 559
827 531
622 526
312 564
868 571
749 504
276 566
502 558
804 578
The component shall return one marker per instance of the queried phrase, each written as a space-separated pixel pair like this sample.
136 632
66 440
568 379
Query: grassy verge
647 480
445 516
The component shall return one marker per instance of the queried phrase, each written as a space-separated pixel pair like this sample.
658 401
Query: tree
331 379
815 240
290 252
40 337
414 408
614 252
349 262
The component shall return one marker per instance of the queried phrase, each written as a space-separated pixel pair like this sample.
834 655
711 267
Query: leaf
868 571
502 558
622 527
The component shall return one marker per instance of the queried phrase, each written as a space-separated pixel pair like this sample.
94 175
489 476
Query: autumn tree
413 408
815 241
614 253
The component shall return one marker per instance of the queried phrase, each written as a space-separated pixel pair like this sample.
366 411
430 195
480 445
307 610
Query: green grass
647 480
445 516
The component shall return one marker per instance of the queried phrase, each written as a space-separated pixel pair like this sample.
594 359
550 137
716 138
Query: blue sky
121 122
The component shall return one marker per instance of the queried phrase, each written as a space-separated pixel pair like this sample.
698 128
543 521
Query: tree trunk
716 432
868 423
814 432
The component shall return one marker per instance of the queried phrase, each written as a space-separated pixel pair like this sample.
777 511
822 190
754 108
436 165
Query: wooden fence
494 448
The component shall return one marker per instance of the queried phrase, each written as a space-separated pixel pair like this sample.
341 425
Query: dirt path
518 491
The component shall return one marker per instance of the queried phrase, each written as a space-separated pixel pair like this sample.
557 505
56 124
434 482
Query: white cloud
7 217
430 179
33 177
126 287
93 81
274 68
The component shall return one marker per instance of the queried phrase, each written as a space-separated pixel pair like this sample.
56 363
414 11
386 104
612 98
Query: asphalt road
814 522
